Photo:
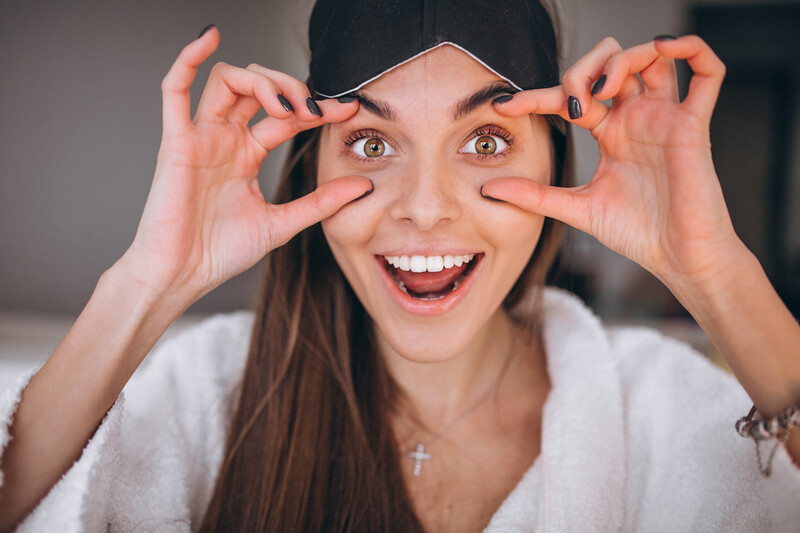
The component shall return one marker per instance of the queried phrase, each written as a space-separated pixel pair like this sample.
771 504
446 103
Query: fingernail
489 197
664 38
287 105
366 193
205 30
598 85
346 99
574 108
313 107
503 99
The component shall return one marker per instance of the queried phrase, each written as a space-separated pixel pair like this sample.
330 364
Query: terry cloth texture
638 435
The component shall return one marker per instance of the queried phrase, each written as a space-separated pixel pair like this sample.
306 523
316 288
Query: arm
65 401
656 199
204 222
754 331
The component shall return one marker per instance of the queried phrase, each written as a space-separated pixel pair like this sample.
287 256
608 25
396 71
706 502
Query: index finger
550 101
271 132
176 106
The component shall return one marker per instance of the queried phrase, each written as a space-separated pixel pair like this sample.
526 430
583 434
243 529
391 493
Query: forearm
66 400
754 331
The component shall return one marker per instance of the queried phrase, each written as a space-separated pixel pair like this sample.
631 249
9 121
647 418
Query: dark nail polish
205 30
365 194
489 197
598 85
285 103
313 107
503 99
574 108
664 38
346 99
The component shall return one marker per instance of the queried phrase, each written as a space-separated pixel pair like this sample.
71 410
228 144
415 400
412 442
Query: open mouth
430 278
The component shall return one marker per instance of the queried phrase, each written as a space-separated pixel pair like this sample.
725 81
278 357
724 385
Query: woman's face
427 136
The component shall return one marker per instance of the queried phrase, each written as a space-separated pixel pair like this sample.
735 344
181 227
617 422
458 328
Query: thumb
287 220
568 205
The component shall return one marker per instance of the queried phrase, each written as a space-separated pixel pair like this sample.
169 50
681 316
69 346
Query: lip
428 252
434 307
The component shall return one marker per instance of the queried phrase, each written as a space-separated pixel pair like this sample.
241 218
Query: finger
660 79
287 220
568 205
272 132
657 72
293 90
176 112
622 69
227 83
578 79
708 72
551 101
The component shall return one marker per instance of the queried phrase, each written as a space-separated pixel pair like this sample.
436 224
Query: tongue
425 282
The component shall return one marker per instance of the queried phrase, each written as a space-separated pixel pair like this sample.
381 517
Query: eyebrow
463 107
488 93
376 107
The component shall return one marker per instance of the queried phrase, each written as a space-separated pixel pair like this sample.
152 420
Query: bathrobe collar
581 467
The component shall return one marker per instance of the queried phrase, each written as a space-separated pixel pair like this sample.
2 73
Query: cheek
513 233
347 233
352 226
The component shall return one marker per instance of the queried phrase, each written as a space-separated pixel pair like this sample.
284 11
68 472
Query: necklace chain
419 455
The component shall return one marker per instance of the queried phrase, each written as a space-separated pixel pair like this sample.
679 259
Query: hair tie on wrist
754 426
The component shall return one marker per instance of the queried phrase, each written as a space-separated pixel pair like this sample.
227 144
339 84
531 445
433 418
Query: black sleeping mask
353 43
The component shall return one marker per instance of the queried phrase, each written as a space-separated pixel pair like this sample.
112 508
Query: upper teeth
429 263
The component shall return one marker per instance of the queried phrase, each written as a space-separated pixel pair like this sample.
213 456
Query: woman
406 371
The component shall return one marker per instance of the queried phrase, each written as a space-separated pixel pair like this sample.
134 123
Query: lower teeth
430 296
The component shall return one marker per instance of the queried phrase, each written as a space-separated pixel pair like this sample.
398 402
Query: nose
428 195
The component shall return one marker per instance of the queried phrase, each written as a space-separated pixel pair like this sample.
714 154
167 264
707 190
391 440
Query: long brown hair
310 446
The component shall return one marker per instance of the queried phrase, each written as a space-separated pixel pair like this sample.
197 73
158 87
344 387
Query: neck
440 392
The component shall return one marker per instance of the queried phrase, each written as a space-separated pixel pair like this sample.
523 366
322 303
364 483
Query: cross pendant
418 457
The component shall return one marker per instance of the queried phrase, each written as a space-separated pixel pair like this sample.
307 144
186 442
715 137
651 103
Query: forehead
436 80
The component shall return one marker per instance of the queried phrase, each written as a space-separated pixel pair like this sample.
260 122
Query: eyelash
356 136
491 129
488 129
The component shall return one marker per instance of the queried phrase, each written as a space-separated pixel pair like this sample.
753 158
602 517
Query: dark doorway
754 131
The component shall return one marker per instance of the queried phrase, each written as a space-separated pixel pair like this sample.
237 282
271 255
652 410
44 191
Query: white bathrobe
638 435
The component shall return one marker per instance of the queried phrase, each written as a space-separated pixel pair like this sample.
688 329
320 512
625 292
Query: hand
655 196
205 219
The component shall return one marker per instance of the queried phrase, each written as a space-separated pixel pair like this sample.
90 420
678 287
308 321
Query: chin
434 342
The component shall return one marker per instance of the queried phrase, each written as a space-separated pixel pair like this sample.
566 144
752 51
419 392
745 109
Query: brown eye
374 147
485 145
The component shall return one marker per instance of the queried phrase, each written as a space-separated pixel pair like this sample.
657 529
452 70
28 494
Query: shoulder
216 347
680 381
674 412
674 402
178 408
197 370
648 363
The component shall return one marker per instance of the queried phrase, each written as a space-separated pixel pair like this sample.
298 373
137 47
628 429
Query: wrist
744 317
730 270
142 302
136 315
152 291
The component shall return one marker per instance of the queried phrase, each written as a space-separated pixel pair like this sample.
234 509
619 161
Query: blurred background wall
80 129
